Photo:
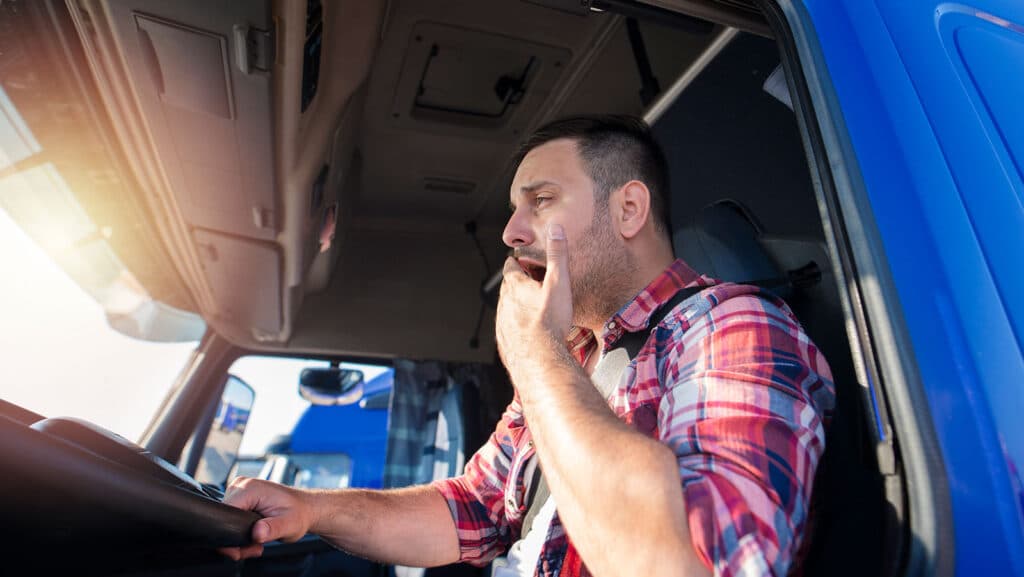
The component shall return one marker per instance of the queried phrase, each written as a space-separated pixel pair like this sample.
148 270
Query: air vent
447 185
311 51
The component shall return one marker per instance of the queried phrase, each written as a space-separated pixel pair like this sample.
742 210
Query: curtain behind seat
425 433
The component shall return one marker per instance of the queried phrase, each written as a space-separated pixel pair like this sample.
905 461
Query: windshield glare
62 358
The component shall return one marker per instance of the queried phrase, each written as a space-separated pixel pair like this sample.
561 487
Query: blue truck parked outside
346 443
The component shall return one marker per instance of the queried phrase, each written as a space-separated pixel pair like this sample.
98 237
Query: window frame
908 451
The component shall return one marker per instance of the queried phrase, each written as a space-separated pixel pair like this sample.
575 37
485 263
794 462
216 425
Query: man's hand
410 526
532 315
287 514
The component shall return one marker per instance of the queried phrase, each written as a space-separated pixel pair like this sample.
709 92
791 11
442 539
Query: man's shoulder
723 304
740 328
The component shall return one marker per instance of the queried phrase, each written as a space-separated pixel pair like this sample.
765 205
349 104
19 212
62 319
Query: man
700 460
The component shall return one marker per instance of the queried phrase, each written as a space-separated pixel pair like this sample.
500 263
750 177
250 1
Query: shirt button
611 326
511 503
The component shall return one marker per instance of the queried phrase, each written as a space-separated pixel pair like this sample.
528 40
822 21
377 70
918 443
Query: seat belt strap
536 495
606 377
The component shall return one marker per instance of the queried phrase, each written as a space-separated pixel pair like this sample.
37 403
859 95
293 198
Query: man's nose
517 231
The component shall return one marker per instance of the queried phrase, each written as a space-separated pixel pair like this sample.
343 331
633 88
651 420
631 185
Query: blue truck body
231 418
360 433
931 95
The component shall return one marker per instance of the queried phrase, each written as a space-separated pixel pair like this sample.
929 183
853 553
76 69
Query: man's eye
539 200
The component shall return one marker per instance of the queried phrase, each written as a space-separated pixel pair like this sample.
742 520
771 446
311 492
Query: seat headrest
722 242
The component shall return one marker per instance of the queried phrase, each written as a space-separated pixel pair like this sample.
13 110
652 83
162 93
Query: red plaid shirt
731 383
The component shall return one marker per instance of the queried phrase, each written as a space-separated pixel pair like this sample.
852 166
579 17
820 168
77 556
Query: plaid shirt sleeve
746 395
476 499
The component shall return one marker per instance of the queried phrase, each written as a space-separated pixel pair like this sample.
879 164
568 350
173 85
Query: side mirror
225 436
331 386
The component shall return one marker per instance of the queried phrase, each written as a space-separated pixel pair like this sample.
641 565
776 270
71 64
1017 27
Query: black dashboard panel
71 507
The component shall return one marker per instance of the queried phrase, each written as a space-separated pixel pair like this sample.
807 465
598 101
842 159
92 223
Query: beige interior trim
352 32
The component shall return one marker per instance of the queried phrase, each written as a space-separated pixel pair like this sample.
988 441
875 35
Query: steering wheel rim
67 467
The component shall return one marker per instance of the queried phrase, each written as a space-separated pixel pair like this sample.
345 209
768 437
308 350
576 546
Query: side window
337 442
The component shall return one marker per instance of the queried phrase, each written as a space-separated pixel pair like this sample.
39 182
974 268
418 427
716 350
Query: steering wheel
91 481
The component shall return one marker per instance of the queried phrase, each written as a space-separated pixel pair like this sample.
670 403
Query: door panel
930 96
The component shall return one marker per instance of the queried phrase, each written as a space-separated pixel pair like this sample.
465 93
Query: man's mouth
534 270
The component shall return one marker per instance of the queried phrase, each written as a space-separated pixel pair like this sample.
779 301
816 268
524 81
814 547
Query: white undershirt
522 557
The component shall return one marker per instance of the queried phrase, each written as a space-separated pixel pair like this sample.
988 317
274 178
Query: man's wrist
315 503
548 363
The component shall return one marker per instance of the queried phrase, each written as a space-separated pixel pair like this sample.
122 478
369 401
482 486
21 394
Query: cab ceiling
432 153
406 138
422 163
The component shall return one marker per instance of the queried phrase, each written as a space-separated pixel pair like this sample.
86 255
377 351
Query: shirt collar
636 313
580 342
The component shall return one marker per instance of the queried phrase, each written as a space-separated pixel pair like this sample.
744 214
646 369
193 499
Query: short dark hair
615 150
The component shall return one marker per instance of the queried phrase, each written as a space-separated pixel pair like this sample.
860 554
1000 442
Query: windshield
62 358
82 272
278 404
316 446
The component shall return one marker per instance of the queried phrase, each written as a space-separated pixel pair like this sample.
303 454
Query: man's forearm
617 491
410 526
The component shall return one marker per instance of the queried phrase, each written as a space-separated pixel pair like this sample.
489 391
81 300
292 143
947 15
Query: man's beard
601 274
600 271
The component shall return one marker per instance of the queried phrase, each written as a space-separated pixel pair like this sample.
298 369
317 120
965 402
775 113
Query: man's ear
632 208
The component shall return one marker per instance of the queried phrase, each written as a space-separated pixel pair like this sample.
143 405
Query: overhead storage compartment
193 88
200 75
245 279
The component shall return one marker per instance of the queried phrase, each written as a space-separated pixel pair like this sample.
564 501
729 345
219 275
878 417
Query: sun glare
59 355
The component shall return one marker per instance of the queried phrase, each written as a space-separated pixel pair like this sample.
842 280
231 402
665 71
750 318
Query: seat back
722 242
848 507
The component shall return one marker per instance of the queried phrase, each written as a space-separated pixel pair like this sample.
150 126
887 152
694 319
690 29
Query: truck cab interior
330 179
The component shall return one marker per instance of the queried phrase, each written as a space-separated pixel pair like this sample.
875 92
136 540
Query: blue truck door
931 96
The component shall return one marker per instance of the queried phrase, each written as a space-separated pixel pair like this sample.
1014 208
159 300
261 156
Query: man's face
551 186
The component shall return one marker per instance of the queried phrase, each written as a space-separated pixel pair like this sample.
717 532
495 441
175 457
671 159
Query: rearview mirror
331 386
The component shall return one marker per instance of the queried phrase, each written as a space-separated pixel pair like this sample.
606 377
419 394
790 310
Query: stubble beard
601 270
